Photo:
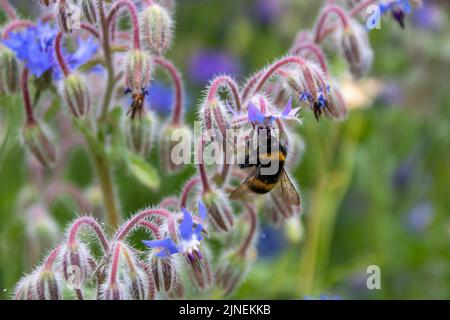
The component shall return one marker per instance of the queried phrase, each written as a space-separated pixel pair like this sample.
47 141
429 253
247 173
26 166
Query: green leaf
143 171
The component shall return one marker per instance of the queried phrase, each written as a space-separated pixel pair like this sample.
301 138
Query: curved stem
230 84
152 227
315 50
59 57
115 263
329 9
187 189
88 27
30 119
134 19
253 221
250 85
169 202
48 264
16 24
87 221
177 111
123 232
9 9
201 166
274 67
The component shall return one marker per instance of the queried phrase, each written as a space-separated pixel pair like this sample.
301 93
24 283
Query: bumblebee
137 103
262 180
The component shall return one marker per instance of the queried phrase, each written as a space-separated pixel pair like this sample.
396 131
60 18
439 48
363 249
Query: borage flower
255 115
187 242
35 47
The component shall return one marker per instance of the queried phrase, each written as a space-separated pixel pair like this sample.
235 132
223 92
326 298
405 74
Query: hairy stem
87 221
59 57
177 111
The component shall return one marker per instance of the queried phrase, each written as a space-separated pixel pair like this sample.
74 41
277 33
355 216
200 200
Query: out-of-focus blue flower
188 237
392 94
429 17
35 47
160 97
420 217
271 242
205 64
403 174
267 11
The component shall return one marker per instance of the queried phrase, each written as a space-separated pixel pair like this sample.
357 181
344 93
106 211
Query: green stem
329 193
108 62
106 184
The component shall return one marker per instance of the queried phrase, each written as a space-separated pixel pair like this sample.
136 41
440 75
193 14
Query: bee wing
243 189
286 190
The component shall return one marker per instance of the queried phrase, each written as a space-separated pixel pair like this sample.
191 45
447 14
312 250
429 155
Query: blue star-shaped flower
35 47
189 237
256 116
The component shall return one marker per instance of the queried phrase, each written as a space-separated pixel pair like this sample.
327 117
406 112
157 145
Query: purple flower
255 115
205 64
271 242
35 47
428 17
189 238
420 217
160 97
267 11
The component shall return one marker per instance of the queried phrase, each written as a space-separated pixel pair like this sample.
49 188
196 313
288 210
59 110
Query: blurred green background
375 188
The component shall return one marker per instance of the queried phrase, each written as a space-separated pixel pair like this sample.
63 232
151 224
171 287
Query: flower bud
76 95
232 269
75 264
48 285
164 272
139 133
199 269
148 292
9 71
173 139
219 210
66 17
336 107
114 291
156 26
89 11
38 144
137 70
278 211
356 49
24 289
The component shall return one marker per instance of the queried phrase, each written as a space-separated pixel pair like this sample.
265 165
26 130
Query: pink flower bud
137 70
65 16
9 72
139 133
48 285
89 11
76 95
38 144
24 289
164 272
231 271
355 46
76 265
199 269
219 211
156 26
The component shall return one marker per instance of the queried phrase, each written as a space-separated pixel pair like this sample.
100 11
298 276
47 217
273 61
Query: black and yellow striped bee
262 180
